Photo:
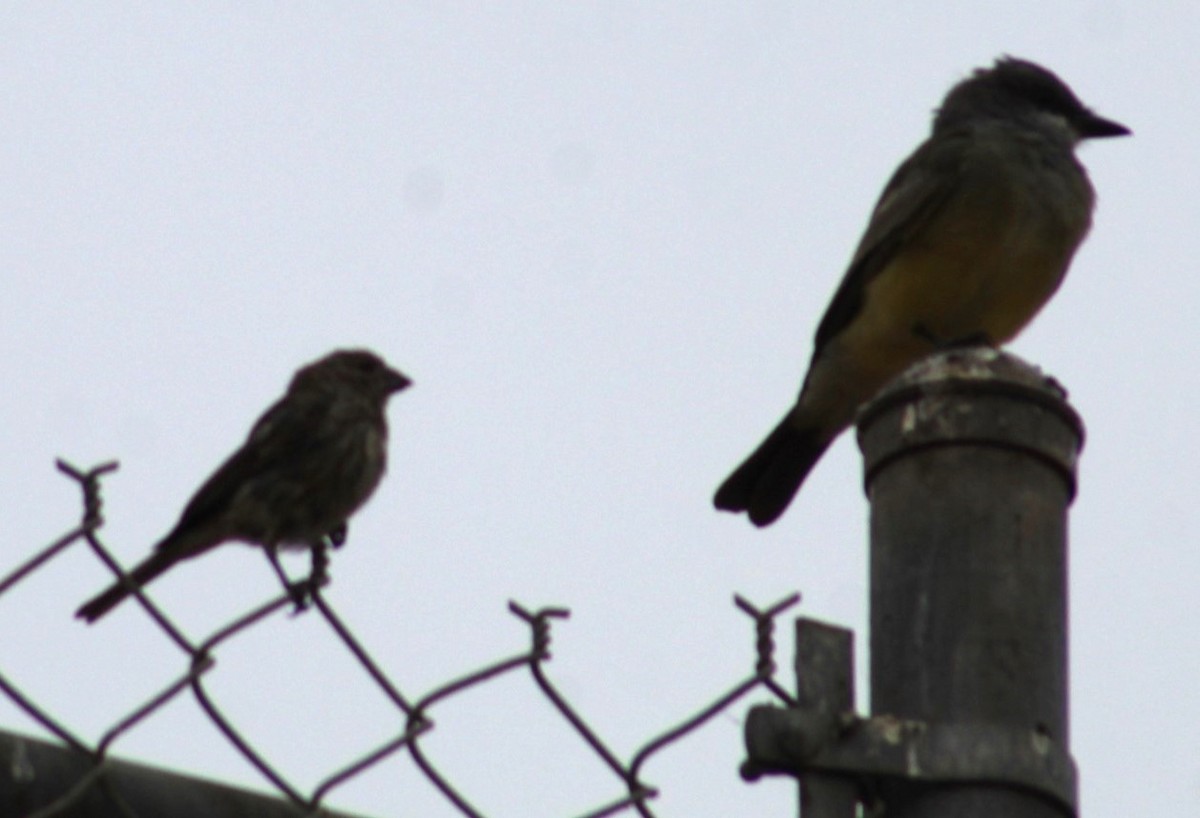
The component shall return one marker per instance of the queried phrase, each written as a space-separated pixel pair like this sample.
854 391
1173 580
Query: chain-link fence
416 713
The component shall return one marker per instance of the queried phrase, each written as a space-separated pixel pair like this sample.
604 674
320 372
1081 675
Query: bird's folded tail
769 478
150 568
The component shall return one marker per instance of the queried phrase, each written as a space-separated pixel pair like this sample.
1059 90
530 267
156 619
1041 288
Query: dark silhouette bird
970 238
310 462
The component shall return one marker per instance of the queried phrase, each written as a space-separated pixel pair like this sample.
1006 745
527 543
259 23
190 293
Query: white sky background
599 238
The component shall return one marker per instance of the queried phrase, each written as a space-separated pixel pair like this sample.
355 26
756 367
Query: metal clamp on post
796 741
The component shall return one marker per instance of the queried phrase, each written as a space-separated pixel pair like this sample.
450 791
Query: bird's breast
984 264
991 257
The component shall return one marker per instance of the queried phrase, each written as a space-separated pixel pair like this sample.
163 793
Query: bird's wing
917 191
283 434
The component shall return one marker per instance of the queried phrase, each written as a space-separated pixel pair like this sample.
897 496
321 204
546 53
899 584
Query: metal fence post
970 467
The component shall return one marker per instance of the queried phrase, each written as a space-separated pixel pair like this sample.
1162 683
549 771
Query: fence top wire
415 712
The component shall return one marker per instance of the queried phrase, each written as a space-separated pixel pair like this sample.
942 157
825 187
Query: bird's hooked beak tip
1094 127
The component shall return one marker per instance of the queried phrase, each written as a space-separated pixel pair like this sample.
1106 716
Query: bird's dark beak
1092 126
397 382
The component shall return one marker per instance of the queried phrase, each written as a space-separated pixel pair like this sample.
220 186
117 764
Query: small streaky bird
310 462
970 238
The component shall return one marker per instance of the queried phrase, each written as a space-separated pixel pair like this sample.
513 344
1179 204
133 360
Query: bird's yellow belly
961 289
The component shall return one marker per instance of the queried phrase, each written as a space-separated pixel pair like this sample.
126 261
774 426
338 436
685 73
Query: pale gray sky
599 237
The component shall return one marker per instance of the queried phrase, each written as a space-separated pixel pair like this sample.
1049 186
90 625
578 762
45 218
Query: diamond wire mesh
200 657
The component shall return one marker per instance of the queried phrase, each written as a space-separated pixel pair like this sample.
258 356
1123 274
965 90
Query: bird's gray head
357 369
1014 88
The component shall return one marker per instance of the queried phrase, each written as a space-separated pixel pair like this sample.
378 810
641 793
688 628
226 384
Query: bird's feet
303 591
300 592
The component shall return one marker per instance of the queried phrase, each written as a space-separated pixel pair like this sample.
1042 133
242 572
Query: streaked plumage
310 461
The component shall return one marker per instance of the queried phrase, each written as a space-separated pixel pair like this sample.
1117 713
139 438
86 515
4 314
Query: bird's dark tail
150 568
769 478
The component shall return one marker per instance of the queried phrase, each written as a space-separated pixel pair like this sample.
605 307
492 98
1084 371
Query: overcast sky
599 237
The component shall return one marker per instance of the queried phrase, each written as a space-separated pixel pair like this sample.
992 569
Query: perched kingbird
971 236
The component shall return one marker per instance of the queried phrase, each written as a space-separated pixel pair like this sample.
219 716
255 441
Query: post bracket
885 750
